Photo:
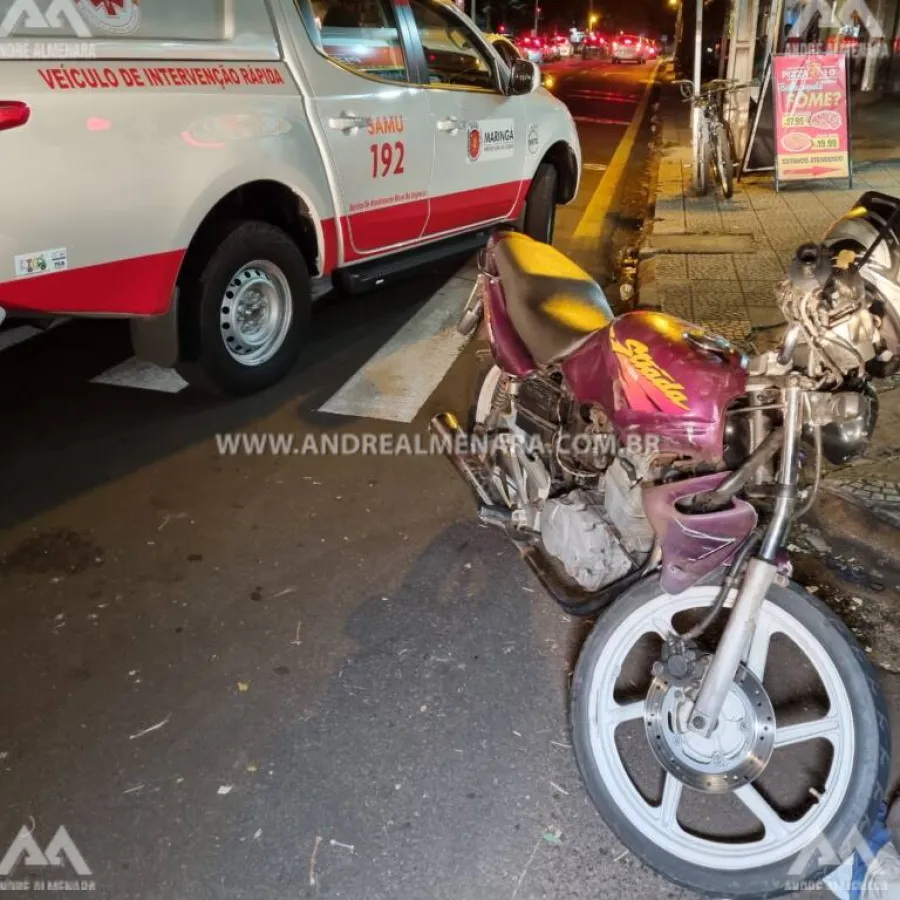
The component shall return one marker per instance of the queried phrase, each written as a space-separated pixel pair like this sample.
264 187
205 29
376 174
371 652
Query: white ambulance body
198 167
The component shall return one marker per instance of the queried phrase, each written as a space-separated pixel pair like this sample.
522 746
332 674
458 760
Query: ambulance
205 168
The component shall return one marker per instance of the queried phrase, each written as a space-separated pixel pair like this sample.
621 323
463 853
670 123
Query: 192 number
387 159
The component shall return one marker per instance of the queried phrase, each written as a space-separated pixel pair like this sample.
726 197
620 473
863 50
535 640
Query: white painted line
12 336
9 337
135 373
395 383
593 120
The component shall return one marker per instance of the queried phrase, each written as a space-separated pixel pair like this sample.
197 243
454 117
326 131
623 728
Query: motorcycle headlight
848 434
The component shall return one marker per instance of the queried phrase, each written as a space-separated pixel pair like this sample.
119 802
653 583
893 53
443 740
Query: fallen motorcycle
649 469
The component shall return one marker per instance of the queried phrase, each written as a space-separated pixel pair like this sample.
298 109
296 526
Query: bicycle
714 147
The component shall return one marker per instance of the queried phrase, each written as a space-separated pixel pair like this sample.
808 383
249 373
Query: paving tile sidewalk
732 292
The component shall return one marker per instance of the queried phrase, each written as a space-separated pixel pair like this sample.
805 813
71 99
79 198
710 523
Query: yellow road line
594 218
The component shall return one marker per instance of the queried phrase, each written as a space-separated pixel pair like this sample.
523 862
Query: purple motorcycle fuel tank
654 380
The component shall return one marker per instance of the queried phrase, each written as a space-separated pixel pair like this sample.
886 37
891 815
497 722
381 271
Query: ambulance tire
212 366
540 204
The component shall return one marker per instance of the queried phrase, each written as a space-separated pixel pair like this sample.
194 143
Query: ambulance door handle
451 125
348 123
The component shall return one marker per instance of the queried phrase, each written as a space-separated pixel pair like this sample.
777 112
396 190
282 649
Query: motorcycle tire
670 851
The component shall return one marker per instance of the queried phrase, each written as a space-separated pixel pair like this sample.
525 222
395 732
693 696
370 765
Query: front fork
761 572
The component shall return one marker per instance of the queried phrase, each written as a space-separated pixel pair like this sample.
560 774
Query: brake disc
739 747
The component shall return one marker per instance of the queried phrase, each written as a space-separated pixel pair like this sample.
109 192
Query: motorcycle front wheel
728 815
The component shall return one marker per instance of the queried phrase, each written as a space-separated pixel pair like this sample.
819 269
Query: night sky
654 17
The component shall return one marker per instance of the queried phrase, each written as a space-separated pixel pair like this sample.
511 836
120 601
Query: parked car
550 48
595 44
532 47
629 48
563 45
224 181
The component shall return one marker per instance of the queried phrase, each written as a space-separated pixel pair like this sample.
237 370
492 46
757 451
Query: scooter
649 470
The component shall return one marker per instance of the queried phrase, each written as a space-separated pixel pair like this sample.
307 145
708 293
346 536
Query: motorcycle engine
576 531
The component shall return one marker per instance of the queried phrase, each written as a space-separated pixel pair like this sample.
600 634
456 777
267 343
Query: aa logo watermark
880 867
85 18
851 13
25 854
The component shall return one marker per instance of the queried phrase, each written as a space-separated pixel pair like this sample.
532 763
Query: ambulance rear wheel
540 204
247 313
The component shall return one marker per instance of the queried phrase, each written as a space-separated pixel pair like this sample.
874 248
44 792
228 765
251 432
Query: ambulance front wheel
539 219
247 313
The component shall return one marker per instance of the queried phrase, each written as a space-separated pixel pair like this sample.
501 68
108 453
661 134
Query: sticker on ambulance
41 262
534 140
492 139
112 16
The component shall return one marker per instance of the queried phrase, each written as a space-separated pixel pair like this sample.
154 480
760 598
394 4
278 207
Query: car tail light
13 114
627 40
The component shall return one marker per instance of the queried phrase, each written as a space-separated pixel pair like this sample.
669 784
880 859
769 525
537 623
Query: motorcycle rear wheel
855 725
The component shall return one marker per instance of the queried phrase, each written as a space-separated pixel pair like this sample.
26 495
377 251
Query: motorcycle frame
762 570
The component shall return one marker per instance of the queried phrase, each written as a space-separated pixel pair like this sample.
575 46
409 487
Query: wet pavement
247 676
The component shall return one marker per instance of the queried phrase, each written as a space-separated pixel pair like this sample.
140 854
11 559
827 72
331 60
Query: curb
646 290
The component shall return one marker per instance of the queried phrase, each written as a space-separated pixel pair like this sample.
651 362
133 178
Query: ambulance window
451 53
362 35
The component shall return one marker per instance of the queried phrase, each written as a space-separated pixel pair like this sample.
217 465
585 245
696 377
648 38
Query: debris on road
335 843
225 789
553 836
556 787
313 879
155 727
243 687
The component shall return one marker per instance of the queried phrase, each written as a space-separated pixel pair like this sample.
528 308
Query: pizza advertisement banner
812 117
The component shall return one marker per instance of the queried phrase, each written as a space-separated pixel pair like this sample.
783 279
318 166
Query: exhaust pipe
2 314
446 428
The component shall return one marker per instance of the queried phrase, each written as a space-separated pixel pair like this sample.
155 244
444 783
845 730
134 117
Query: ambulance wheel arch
256 247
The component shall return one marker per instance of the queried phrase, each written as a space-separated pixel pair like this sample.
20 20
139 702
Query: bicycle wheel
702 164
724 162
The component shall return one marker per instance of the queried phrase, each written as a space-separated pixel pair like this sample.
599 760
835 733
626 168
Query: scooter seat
553 304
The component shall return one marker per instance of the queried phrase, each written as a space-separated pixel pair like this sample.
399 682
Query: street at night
273 676
449 449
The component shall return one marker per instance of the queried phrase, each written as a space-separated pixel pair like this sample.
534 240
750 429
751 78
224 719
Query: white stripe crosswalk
393 385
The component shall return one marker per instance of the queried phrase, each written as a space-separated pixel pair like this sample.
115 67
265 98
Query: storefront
866 30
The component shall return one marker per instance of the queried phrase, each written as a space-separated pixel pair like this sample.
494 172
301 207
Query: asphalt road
284 676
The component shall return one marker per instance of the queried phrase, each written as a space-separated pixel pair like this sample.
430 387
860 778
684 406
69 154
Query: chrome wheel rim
255 313
782 838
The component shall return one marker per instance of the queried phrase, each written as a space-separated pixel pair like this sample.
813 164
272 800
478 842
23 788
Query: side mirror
524 78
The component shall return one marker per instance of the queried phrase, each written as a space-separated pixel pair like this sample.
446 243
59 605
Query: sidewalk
735 250
716 263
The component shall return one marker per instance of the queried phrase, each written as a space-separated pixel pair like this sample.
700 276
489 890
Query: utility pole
695 109
474 2
537 16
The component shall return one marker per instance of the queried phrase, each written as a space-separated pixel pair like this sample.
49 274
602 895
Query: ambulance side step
366 276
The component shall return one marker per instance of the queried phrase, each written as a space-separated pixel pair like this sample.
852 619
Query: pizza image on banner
492 139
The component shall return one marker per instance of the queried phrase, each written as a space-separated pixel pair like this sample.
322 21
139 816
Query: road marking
594 218
135 373
13 336
605 96
593 120
594 167
397 381
10 337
